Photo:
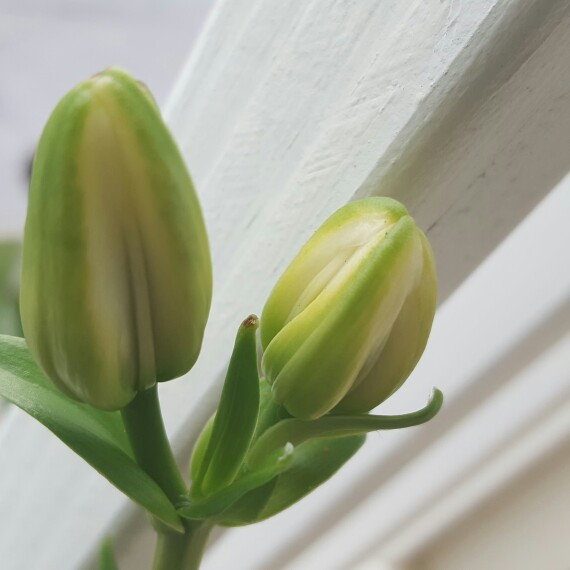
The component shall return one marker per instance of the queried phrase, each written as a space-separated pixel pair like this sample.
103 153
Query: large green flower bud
350 317
116 278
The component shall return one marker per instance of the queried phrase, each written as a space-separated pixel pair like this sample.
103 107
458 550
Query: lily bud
350 317
116 278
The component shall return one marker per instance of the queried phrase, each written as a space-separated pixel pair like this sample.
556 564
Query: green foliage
269 482
106 557
97 436
298 431
223 445
270 412
313 463
116 291
216 503
199 451
321 448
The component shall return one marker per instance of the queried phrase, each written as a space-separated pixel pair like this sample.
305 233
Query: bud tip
251 321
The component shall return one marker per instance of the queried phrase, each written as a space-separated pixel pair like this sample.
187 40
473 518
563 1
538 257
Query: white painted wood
461 470
546 437
377 565
286 111
485 353
523 526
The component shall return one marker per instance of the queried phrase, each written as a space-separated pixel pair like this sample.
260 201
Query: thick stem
181 551
145 429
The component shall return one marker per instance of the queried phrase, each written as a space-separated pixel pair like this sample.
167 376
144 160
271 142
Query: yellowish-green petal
116 278
350 317
403 348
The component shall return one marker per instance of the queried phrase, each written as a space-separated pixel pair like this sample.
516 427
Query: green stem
181 551
145 429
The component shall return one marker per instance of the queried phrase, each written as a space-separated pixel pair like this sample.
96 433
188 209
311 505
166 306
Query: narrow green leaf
97 436
269 414
106 556
235 420
218 502
313 463
200 448
298 431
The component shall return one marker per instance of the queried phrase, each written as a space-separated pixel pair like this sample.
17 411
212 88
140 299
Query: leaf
235 419
106 556
97 436
298 431
313 463
218 502
270 412
322 447
200 448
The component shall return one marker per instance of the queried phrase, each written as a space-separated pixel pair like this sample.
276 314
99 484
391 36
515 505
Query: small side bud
350 317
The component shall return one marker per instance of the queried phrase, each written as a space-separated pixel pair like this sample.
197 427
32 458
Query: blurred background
47 47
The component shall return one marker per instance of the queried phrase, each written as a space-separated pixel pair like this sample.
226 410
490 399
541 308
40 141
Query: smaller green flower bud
350 317
116 277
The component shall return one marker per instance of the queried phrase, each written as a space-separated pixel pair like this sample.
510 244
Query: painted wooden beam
285 112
